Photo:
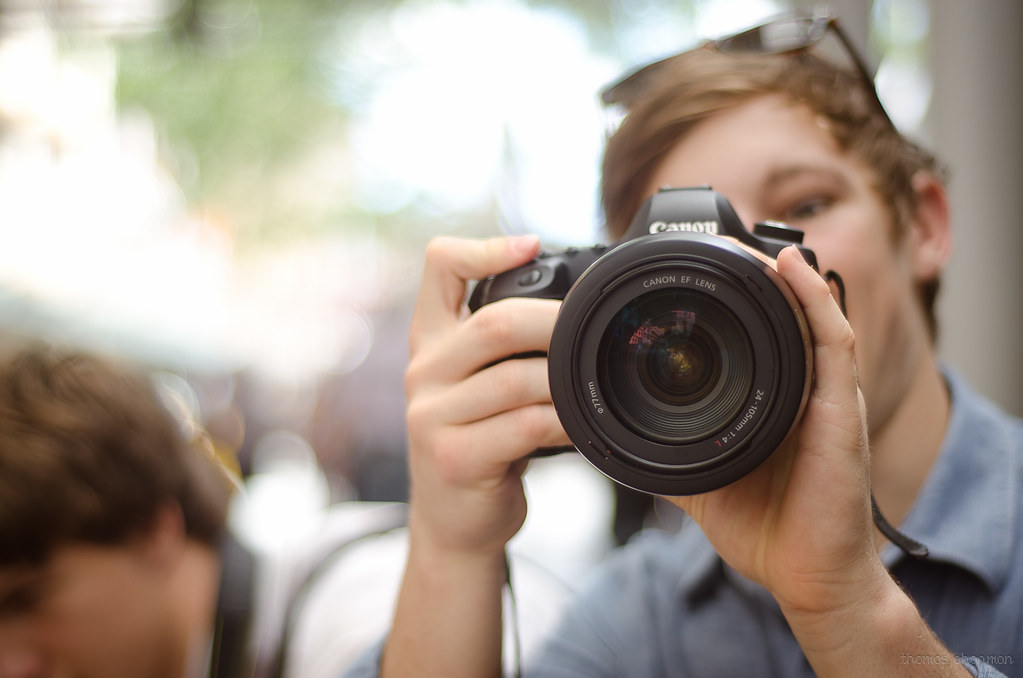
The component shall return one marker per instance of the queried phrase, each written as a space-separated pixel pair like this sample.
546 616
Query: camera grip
548 276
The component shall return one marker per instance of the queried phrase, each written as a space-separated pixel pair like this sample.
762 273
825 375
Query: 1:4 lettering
758 398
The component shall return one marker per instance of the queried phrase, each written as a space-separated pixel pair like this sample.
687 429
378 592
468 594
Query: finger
502 387
493 334
506 328
484 448
492 405
450 263
751 250
833 340
467 452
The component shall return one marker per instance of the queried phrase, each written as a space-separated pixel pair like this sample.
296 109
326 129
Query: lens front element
679 365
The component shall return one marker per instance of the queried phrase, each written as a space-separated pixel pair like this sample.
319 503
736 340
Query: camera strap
907 544
514 614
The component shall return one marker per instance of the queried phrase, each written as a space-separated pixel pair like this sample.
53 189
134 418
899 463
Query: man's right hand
473 419
472 415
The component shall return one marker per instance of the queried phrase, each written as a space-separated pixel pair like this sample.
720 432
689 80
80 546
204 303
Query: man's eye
807 209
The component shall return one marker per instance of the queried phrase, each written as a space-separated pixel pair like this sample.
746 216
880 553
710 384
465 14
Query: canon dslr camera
679 360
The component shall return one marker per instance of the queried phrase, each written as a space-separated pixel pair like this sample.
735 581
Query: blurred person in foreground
783 572
111 521
115 557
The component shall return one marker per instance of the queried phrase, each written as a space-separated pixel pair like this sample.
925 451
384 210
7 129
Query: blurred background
237 193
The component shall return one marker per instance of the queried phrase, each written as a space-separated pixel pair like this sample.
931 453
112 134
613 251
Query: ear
930 237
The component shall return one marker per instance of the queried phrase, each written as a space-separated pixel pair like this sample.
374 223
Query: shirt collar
965 513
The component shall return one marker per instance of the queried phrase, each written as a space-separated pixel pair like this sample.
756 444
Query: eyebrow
785 173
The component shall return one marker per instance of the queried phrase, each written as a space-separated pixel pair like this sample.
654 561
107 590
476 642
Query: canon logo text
686 226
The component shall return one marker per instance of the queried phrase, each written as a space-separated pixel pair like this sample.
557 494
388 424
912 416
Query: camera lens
680 368
679 365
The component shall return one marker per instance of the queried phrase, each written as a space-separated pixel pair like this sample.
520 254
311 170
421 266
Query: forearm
448 617
884 635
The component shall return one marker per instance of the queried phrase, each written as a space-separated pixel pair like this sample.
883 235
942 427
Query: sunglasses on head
784 35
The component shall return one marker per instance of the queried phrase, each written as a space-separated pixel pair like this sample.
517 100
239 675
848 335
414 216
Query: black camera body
679 361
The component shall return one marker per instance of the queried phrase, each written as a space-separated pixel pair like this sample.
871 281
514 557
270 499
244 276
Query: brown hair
698 84
89 454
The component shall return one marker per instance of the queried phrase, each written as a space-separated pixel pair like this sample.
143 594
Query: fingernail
799 252
525 244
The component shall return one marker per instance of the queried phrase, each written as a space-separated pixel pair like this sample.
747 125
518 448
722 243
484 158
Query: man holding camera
783 571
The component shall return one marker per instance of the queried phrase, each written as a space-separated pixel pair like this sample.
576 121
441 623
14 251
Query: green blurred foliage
250 100
238 95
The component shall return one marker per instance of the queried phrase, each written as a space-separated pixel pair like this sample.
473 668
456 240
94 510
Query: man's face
89 612
773 160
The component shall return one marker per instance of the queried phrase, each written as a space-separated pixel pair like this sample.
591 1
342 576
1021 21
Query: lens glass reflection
679 365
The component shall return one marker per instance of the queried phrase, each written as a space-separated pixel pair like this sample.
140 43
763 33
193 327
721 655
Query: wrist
881 633
830 592
442 559
860 606
448 616
443 545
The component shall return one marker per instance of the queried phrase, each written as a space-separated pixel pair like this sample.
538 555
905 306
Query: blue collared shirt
667 606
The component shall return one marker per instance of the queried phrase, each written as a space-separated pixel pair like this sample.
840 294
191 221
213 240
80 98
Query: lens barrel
679 362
